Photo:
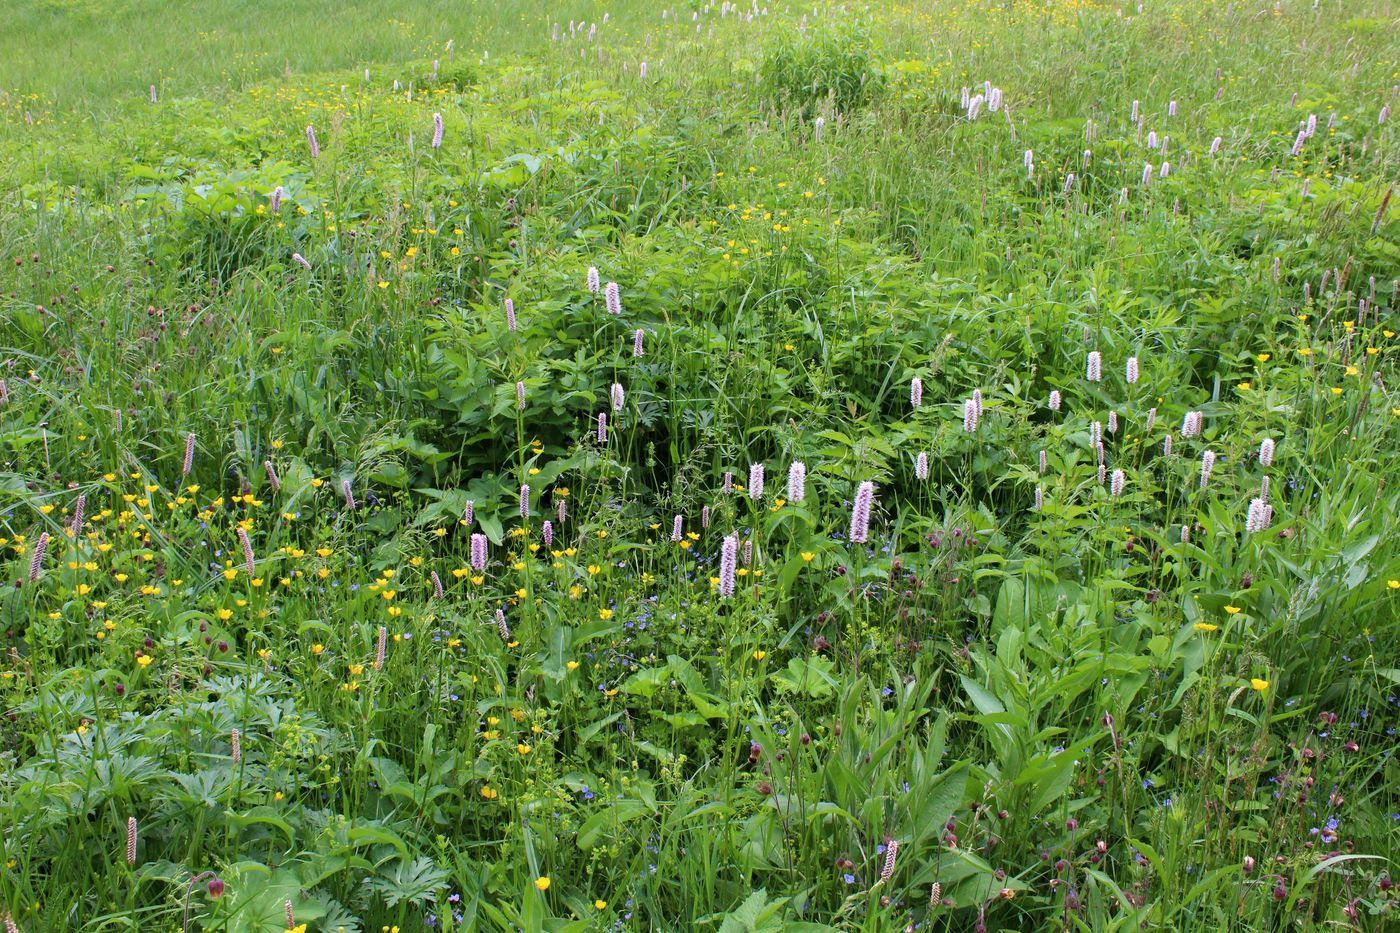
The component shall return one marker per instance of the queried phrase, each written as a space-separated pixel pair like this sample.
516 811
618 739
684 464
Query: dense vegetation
562 466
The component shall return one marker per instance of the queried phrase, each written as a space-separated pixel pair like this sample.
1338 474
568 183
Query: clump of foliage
832 66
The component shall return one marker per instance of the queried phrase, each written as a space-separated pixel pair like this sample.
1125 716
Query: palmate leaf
756 913
811 676
417 882
337 917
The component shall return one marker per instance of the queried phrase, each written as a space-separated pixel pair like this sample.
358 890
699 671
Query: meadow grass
802 467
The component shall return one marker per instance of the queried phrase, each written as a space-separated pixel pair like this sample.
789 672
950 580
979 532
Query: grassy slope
789 287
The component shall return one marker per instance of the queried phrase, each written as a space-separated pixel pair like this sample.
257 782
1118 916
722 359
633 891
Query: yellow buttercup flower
1259 684
1205 627
542 883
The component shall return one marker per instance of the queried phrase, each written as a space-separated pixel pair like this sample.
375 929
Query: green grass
1068 680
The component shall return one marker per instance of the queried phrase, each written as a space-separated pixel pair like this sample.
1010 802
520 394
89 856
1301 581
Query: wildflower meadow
775 465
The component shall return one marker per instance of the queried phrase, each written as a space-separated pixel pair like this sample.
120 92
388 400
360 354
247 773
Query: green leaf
608 821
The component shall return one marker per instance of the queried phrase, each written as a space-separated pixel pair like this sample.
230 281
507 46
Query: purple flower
970 416
797 481
728 557
860 512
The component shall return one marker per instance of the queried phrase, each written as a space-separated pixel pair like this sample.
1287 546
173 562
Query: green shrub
459 76
833 63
